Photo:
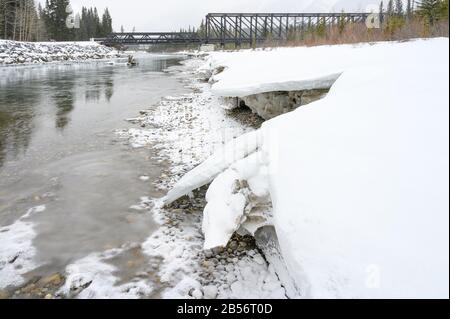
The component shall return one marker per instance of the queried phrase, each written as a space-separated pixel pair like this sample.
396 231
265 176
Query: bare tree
18 20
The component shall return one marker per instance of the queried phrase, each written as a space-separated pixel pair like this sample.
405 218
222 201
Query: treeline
419 18
24 20
397 20
19 20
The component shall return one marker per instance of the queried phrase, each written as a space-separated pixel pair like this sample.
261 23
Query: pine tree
56 15
408 9
432 10
202 29
106 23
41 32
381 12
390 8
96 24
399 7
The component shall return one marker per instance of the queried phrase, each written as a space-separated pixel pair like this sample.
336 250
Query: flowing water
58 149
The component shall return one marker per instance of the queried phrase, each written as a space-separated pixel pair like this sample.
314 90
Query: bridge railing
128 38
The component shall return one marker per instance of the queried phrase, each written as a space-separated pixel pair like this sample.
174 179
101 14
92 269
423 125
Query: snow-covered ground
182 131
358 180
14 52
186 130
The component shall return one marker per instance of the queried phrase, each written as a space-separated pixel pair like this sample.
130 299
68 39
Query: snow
230 204
94 277
14 52
358 180
216 163
290 69
16 250
180 130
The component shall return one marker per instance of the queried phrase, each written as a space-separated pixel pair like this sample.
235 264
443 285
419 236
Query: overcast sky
171 15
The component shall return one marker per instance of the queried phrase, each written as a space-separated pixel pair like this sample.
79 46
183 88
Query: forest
28 20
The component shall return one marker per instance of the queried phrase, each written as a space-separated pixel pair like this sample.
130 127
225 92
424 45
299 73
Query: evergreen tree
41 32
202 29
390 8
381 12
409 9
96 24
433 10
106 27
56 17
399 7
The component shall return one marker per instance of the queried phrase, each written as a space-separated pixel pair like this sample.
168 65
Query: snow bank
249 72
16 249
218 162
14 52
358 180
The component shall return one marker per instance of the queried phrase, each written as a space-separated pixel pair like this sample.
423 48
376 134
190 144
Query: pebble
197 294
4 295
210 292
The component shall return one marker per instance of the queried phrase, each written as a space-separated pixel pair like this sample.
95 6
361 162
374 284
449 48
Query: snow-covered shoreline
14 53
358 180
185 130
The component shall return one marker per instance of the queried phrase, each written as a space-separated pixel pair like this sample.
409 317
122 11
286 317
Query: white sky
171 15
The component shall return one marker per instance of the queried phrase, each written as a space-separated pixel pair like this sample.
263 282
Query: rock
197 294
54 280
271 104
207 264
48 296
210 292
4 295
28 289
233 244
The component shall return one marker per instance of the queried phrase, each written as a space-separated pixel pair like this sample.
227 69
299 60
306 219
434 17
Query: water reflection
57 150
16 122
109 89
100 86
64 101
30 96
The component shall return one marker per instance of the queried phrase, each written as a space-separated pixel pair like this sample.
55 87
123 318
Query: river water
58 149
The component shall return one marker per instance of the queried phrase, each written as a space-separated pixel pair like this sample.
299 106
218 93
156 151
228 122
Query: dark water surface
58 149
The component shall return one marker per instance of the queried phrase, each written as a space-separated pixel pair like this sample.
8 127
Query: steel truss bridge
240 28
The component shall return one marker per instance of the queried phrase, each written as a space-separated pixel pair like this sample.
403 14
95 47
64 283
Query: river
58 150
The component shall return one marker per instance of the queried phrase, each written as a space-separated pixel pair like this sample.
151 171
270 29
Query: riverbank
185 130
23 53
355 184
69 187
178 133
